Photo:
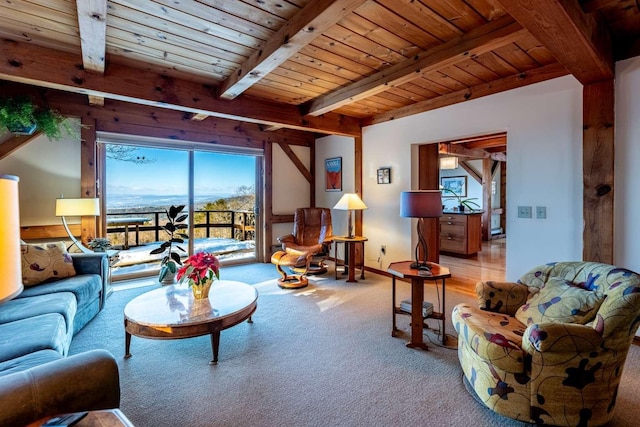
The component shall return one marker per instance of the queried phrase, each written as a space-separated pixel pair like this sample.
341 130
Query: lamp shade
421 204
10 257
448 163
350 201
78 207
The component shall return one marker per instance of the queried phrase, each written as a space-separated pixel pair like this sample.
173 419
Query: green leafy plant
173 228
20 114
99 244
462 203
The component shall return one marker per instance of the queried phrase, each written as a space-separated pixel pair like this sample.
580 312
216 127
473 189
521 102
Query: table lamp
350 202
77 207
421 204
10 254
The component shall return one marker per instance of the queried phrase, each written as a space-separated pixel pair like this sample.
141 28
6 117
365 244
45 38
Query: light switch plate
524 211
541 212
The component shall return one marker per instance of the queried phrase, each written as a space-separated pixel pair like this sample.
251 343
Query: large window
217 188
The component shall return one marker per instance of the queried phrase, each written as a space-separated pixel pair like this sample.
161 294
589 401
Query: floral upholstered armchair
551 348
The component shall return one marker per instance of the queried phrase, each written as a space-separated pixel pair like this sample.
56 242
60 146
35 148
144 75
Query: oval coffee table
171 312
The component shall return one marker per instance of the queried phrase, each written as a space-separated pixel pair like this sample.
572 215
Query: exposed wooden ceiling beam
17 141
30 64
92 20
459 150
579 41
484 142
491 36
521 79
315 18
296 161
471 171
135 119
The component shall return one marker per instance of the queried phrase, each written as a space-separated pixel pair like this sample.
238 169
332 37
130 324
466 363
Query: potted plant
99 244
467 203
200 270
171 261
21 116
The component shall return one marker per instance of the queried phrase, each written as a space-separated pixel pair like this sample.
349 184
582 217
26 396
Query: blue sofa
36 328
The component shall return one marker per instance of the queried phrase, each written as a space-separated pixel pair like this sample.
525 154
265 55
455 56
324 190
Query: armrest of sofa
501 297
83 382
552 337
94 263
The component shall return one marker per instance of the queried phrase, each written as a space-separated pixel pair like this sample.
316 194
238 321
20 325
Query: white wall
544 134
627 179
46 170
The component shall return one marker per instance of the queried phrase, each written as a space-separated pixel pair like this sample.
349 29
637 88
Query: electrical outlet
524 211
383 249
541 212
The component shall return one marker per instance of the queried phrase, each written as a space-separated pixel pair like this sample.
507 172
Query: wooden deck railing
240 225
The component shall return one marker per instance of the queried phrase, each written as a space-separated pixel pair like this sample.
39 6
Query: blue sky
215 173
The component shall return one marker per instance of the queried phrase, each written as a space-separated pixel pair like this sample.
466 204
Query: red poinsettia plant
199 268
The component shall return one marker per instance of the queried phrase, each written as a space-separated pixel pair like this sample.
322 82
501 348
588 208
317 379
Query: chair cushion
47 331
28 361
560 301
42 262
63 303
85 287
494 337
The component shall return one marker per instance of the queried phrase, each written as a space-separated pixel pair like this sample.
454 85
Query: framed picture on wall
384 176
456 184
333 174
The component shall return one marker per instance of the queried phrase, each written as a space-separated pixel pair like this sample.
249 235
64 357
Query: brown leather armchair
312 232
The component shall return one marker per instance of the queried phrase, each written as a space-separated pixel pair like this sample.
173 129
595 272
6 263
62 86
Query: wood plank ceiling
325 66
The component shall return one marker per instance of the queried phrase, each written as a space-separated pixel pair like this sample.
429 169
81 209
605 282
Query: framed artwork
384 176
456 184
333 174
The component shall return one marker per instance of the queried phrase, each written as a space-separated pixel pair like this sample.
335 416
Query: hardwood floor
488 264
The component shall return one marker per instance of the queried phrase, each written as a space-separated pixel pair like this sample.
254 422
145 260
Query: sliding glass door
217 188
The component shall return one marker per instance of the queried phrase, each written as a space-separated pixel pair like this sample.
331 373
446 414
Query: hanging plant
21 116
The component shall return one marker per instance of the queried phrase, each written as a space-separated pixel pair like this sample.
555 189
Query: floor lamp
77 207
350 202
421 204
10 256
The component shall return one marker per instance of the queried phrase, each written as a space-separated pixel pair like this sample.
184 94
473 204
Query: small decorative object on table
200 270
99 244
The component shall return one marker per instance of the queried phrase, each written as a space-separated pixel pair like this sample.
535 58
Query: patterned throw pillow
41 262
560 301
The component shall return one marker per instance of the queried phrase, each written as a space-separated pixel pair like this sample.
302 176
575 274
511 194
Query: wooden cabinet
461 233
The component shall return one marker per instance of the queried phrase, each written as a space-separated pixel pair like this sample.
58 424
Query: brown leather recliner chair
312 232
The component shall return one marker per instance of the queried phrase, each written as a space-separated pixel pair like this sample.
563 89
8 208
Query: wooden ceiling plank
476 42
321 66
457 12
17 141
460 151
424 17
31 65
579 41
92 21
131 20
535 50
489 9
396 24
515 56
506 83
347 37
298 32
496 64
161 39
380 35
154 10
366 56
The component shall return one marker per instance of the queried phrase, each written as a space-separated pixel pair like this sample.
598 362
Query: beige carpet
319 356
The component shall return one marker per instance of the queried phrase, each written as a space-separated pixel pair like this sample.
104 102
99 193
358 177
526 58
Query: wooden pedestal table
404 271
171 312
350 255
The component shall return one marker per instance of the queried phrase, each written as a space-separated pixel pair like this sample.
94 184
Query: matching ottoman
291 258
